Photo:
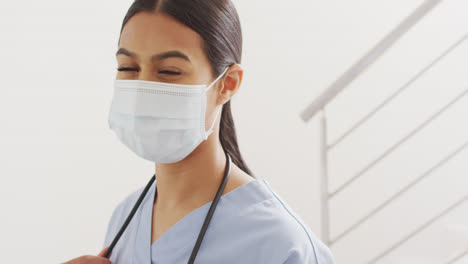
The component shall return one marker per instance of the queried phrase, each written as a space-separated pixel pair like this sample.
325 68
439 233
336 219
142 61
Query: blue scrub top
251 225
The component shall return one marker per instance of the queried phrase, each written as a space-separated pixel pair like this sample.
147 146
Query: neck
194 180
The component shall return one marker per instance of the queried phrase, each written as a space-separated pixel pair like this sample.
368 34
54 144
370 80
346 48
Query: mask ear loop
212 124
221 75
218 107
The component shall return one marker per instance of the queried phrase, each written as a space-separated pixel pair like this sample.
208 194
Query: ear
230 83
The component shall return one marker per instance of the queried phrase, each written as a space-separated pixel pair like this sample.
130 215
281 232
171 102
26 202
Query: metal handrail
458 257
419 229
398 92
403 190
339 85
356 69
387 152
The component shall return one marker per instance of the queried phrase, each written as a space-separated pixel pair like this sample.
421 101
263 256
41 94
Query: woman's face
156 47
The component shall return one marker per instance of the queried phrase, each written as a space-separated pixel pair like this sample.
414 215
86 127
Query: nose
147 73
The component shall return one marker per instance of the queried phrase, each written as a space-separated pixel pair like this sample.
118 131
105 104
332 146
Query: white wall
63 171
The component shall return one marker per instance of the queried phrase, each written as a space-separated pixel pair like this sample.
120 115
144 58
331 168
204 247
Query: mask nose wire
221 75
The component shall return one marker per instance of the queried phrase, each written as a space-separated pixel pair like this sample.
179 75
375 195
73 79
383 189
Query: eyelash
166 72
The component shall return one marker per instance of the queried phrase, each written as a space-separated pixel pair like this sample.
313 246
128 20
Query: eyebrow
155 57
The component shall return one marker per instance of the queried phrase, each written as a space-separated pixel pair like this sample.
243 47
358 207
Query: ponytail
228 138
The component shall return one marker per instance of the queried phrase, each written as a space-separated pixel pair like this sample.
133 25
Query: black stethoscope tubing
206 222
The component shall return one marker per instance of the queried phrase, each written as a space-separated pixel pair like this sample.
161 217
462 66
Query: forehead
148 33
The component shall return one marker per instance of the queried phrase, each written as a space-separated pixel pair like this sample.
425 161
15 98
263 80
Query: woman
179 63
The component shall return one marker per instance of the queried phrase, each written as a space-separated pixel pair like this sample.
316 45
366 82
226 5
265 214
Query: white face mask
160 122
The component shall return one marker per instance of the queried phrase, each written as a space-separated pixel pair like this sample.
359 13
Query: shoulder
293 238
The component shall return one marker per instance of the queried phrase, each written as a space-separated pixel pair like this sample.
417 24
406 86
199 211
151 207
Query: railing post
324 178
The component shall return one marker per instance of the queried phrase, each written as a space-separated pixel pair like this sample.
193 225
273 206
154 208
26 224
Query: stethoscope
206 222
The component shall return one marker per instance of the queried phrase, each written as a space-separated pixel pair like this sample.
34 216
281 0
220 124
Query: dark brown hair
217 22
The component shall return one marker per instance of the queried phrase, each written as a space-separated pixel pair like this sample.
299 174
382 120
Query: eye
170 72
126 69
